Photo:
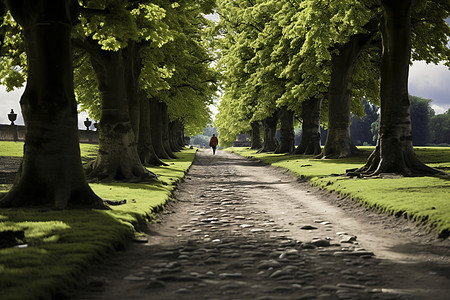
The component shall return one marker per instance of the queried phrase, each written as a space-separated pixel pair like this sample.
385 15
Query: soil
244 230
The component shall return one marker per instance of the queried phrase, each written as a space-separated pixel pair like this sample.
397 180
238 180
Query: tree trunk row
133 130
51 172
310 141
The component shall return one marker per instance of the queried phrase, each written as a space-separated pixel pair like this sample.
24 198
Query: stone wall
17 133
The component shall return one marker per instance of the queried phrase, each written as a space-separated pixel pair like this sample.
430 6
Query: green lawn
63 244
422 199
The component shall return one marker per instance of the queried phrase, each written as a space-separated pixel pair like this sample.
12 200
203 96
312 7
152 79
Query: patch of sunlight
35 230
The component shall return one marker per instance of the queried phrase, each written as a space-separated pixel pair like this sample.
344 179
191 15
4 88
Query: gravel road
243 230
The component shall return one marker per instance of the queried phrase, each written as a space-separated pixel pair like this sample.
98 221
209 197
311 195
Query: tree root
309 149
148 157
62 198
409 166
132 174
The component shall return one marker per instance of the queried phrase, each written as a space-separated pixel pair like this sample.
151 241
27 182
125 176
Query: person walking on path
213 142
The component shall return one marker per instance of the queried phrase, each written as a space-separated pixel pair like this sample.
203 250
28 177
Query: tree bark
117 158
156 129
174 136
51 172
180 135
394 152
132 69
145 146
339 143
256 135
172 141
270 129
310 142
287 142
165 130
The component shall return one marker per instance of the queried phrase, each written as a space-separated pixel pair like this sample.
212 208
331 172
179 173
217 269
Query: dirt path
242 230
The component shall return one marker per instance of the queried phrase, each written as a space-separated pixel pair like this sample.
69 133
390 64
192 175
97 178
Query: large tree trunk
172 137
156 129
339 143
51 172
256 135
117 158
394 152
175 132
145 146
180 135
287 142
270 129
165 130
310 142
132 69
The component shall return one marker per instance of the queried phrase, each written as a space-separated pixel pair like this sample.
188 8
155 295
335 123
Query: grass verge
61 245
425 200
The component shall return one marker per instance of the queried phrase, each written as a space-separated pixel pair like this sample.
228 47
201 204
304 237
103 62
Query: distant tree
200 140
421 113
361 127
440 128
209 131
374 127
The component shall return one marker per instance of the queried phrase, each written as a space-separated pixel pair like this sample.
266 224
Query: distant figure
213 142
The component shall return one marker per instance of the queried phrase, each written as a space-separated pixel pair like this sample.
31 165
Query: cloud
431 82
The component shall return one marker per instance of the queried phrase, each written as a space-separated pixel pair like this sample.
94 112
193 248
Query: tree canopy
285 53
125 53
146 70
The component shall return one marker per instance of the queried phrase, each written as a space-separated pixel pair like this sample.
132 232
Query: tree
361 128
335 36
118 157
51 172
339 143
145 148
238 104
256 135
13 73
310 140
109 36
440 128
420 112
270 143
251 85
394 152
162 54
188 57
229 121
286 144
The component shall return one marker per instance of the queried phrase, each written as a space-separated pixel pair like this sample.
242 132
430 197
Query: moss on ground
61 245
421 199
